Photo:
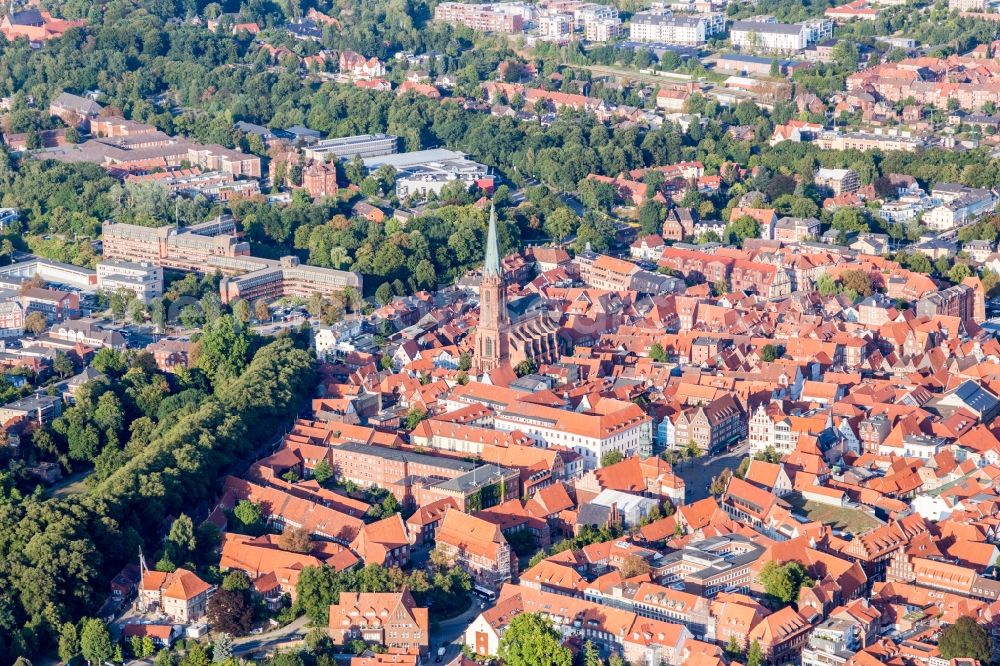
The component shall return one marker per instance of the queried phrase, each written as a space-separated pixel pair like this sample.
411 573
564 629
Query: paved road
287 636
698 473
451 633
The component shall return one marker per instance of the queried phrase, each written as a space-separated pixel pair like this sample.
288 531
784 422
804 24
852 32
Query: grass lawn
848 520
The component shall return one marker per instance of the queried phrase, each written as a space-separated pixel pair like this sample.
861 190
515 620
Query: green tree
651 216
384 293
966 639
691 449
857 282
224 348
236 580
769 353
591 657
62 364
743 228
657 353
959 272
69 642
35 323
248 513
734 650
755 655
95 642
783 581
181 542
196 656
561 223
827 285
526 367
848 220
241 310
530 640
322 471
414 417
719 484
611 458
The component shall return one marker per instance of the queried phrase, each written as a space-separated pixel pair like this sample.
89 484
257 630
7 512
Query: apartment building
141 153
957 301
171 355
970 5
144 279
74 110
347 147
369 466
500 17
959 205
838 181
648 599
794 229
87 332
865 141
557 27
40 409
781 636
668 29
461 438
477 546
610 425
602 29
770 37
168 246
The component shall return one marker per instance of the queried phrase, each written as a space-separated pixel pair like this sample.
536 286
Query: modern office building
423 171
144 279
346 147
200 250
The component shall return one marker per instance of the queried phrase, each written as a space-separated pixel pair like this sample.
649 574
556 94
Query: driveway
698 473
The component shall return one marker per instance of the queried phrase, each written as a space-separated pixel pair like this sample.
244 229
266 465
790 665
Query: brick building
320 180
390 619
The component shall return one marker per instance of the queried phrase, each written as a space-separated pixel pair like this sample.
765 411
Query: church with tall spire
492 335
500 341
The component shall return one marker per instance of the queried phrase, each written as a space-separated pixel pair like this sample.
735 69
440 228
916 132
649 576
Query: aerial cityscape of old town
514 333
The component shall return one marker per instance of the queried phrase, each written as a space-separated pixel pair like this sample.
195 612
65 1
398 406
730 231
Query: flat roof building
346 147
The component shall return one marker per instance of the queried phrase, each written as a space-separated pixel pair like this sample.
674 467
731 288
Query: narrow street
451 633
